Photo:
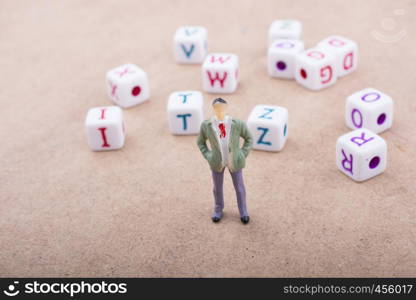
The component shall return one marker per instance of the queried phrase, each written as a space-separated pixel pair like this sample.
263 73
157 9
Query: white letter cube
185 112
105 128
361 154
315 69
269 126
345 52
220 73
369 108
127 85
190 44
281 58
285 29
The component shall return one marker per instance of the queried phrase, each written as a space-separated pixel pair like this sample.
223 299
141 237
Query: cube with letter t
185 112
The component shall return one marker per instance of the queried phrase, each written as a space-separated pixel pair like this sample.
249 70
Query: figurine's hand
209 155
244 151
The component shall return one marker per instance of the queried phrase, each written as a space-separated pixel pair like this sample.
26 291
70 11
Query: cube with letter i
284 29
369 108
220 73
315 69
105 128
127 85
185 112
190 44
361 154
345 52
269 126
281 58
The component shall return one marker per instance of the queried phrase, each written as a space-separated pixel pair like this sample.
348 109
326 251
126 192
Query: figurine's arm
248 139
202 142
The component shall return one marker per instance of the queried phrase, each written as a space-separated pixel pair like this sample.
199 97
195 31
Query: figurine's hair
220 100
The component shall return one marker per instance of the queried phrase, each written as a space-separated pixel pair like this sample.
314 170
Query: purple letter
370 97
353 113
285 45
361 139
347 163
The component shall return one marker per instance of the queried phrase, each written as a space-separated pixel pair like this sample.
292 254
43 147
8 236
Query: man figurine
224 134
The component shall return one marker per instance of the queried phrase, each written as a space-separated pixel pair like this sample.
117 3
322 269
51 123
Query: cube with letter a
268 125
220 73
105 128
361 154
185 112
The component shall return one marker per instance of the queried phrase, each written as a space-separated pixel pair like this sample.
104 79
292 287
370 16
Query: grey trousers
240 190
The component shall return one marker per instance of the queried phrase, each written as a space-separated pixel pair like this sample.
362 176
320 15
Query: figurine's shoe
215 219
245 219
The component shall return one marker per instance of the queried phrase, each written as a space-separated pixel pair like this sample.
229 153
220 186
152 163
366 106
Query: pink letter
323 71
348 61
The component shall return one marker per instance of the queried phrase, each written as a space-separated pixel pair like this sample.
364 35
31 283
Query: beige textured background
145 210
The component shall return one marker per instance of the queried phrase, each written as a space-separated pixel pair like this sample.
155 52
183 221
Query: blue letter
261 141
188 53
188 33
269 111
184 116
184 97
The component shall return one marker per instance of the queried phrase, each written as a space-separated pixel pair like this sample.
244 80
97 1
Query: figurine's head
220 108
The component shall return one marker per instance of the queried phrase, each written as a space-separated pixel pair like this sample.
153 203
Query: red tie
222 128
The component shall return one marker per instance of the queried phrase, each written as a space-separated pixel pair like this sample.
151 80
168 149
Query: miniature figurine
224 134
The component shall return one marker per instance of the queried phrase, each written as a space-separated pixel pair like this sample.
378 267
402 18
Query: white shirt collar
226 120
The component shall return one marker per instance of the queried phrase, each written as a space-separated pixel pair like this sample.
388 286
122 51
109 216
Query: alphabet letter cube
281 58
190 44
285 29
269 126
369 108
127 85
185 112
220 73
361 154
105 128
315 69
345 52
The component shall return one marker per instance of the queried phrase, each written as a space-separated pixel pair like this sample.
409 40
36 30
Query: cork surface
145 210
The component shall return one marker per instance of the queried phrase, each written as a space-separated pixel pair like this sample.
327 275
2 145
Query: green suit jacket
237 155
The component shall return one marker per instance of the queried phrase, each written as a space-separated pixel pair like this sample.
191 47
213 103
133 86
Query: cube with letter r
269 126
361 154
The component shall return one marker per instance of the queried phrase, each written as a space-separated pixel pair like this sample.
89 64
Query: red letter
329 69
104 137
348 61
103 113
217 77
220 59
